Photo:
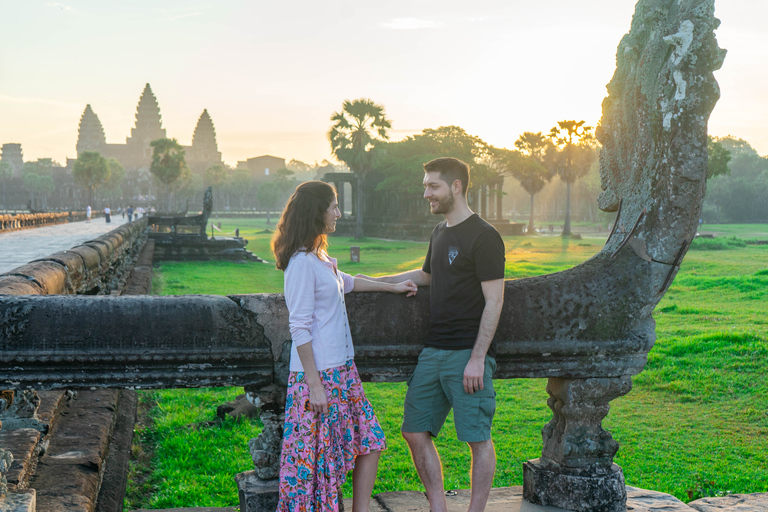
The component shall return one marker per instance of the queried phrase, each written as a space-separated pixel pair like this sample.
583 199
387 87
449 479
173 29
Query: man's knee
416 438
481 446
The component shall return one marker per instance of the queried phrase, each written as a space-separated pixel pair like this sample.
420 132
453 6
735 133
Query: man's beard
444 205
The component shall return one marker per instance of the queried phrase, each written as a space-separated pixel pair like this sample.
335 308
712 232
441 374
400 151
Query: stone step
68 473
23 444
19 501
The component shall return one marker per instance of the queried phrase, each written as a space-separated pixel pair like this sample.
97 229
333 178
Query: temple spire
90 134
149 125
204 137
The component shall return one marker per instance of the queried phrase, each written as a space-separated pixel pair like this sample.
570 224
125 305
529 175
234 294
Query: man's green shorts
437 384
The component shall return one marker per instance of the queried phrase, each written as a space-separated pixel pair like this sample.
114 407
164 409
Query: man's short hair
450 169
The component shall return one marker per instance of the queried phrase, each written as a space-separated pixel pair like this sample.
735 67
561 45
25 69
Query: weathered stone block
19 501
757 502
256 495
23 444
592 489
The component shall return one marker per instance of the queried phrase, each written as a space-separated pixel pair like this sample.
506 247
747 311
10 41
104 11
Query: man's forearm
493 292
488 323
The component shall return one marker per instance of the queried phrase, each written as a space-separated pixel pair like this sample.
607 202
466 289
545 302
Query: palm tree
352 137
168 163
531 171
574 158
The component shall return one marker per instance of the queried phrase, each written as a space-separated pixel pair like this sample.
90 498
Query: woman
330 427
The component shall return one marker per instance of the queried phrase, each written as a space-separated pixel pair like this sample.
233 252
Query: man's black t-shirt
459 258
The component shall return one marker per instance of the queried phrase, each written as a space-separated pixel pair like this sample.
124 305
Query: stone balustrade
36 220
90 268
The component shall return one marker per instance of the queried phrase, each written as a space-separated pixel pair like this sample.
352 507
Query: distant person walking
130 213
330 427
88 213
107 214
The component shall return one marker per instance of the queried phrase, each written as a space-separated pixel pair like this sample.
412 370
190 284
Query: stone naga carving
653 167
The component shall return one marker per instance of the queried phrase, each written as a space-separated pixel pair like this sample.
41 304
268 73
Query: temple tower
204 151
90 135
12 155
148 128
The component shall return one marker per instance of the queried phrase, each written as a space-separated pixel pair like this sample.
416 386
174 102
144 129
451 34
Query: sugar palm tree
576 154
356 129
531 171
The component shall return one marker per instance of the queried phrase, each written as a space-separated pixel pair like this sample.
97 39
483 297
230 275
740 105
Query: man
464 269
130 213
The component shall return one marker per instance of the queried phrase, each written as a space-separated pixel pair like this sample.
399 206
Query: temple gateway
136 153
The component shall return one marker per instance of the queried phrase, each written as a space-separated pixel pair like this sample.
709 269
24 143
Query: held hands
407 287
473 375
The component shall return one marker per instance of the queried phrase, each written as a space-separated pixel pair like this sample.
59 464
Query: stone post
258 488
576 470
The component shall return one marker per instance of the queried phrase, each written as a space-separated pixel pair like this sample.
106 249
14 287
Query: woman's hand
318 401
407 287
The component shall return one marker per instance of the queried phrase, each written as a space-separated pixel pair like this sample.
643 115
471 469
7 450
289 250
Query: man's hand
408 287
473 375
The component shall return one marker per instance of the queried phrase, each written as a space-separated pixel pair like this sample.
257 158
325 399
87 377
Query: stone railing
71 342
93 267
14 222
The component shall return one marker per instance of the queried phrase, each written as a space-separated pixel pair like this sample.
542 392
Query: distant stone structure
11 154
262 166
136 153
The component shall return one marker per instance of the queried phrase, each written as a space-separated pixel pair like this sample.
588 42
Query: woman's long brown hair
302 225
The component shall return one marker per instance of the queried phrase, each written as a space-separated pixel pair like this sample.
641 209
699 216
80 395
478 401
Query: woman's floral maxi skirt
319 449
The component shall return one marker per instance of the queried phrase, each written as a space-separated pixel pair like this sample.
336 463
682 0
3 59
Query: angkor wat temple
136 153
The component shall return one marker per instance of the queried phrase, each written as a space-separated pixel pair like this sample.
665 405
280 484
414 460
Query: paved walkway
20 247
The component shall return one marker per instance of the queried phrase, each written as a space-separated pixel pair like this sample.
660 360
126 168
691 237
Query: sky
271 73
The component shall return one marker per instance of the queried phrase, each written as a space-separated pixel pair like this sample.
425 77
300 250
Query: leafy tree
285 182
718 158
401 162
90 170
216 176
528 166
168 163
357 127
112 188
39 186
575 155
268 195
240 185
6 171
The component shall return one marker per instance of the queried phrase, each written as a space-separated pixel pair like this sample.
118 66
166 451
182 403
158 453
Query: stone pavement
20 247
510 499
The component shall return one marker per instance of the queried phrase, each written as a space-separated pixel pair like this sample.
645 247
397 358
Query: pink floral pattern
320 449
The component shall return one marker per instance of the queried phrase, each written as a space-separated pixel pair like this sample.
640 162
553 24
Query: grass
694 425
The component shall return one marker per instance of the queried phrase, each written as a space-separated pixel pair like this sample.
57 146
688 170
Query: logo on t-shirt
452 253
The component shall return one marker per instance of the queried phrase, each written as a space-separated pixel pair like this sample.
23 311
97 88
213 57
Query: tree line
359 137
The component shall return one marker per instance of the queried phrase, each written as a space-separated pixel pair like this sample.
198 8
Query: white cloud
410 24
28 101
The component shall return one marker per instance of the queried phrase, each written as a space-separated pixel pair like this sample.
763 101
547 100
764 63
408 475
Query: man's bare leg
483 469
363 479
428 466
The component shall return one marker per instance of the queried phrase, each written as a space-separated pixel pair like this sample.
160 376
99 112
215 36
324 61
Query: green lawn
695 423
